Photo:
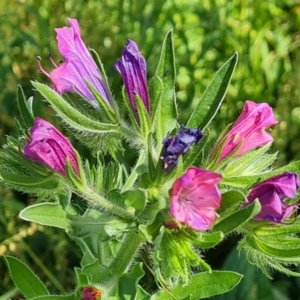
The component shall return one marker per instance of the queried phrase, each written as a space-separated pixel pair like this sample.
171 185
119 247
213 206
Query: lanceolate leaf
213 96
49 214
238 218
70 115
202 285
26 281
55 297
25 108
162 91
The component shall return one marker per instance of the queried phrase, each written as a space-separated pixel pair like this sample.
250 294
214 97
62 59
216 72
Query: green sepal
81 278
201 285
25 108
143 117
79 183
162 92
107 113
246 181
71 116
104 79
237 219
252 162
25 280
208 240
211 101
49 214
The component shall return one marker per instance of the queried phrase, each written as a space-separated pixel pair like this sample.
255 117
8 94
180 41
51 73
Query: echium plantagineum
248 131
133 69
78 67
48 146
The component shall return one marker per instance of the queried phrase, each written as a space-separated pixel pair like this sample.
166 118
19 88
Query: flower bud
90 293
49 147
271 194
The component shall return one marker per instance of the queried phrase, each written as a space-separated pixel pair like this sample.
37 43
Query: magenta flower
79 66
49 147
248 131
133 69
90 293
271 193
195 198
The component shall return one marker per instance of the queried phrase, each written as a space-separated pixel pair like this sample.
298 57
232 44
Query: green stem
125 254
94 198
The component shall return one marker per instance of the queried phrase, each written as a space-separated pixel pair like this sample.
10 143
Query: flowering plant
177 199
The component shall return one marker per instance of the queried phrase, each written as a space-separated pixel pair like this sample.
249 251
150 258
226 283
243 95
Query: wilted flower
179 144
133 69
248 131
49 147
271 193
90 293
79 66
195 198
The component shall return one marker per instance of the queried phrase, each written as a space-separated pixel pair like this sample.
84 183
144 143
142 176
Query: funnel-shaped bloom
271 193
178 145
248 131
195 198
49 147
133 69
79 66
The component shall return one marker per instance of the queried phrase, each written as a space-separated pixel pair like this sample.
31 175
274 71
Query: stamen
41 68
52 61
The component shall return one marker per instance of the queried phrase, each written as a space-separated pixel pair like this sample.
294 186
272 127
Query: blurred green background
266 35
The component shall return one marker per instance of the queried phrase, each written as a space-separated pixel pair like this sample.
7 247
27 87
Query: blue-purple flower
78 67
178 145
133 69
271 194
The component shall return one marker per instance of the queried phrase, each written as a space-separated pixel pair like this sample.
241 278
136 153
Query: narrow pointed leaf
25 280
213 96
162 90
238 218
49 214
202 285
25 108
55 297
70 115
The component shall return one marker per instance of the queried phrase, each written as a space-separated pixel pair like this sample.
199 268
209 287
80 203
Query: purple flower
248 131
195 198
79 66
178 145
271 193
90 293
49 147
133 69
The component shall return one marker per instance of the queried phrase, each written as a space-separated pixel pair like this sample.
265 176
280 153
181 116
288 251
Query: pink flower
248 131
195 198
79 66
49 147
271 193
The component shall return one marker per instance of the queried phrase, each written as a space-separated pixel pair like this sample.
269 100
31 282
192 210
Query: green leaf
128 283
25 108
25 280
209 240
49 214
55 297
70 115
238 218
231 201
162 91
209 104
202 285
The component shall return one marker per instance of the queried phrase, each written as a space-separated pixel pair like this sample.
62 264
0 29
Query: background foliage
266 35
